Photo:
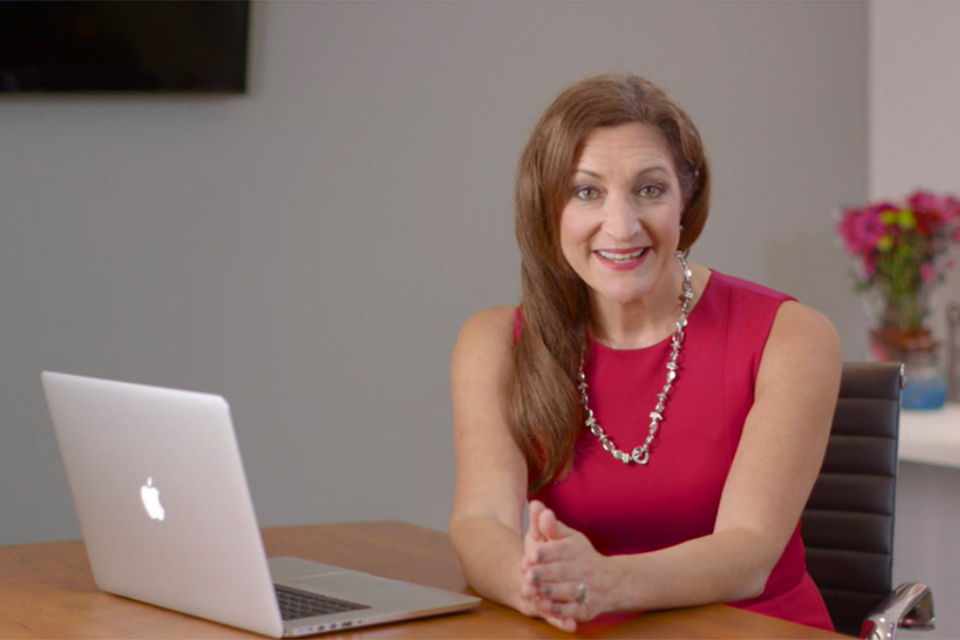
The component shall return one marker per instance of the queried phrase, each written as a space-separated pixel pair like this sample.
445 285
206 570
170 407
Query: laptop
166 516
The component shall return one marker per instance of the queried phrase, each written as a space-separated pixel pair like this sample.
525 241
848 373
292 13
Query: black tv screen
127 46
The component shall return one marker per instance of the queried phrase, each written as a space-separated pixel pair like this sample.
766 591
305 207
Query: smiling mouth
621 257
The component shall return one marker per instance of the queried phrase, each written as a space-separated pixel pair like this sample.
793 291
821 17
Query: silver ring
582 596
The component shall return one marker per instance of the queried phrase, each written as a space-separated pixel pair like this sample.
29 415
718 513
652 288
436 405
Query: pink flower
872 228
881 208
953 208
924 202
927 222
862 229
900 248
849 230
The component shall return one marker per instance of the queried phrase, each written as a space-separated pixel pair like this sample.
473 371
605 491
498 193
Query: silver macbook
166 516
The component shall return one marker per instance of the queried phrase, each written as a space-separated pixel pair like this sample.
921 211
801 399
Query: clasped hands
564 579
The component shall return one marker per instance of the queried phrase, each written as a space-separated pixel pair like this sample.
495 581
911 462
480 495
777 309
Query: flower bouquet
900 252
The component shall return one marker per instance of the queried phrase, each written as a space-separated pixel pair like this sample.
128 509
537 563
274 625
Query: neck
643 322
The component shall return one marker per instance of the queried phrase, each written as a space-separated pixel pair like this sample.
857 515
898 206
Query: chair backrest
847 525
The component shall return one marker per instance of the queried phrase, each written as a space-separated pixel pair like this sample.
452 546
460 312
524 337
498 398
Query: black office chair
847 525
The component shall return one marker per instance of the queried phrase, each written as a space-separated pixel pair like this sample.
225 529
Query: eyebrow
651 169
588 172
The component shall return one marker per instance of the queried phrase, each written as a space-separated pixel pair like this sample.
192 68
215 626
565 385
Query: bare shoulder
492 327
803 345
804 327
484 351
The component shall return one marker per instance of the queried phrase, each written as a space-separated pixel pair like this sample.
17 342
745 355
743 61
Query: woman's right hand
486 525
530 596
563 575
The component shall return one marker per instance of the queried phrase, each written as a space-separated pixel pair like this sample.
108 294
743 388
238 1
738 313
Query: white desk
928 512
931 437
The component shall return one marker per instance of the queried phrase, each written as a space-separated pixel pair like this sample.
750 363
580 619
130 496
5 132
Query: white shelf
931 437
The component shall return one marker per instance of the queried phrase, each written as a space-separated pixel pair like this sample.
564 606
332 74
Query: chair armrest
909 606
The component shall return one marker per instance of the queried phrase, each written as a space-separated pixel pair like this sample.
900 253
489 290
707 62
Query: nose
622 219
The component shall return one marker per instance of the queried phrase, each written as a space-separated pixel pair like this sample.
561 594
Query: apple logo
151 500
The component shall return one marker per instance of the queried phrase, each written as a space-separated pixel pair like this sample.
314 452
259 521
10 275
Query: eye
586 193
651 191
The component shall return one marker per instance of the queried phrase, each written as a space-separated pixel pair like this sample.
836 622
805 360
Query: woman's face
620 228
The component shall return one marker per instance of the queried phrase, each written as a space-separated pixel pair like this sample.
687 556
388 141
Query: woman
665 421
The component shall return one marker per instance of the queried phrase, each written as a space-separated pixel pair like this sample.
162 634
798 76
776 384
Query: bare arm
486 522
776 464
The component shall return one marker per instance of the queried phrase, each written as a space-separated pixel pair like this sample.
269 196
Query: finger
533 554
529 590
563 592
563 550
566 624
551 527
545 608
536 510
532 537
529 576
551 573
561 610
553 562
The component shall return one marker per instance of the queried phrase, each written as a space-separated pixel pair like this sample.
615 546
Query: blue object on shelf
924 392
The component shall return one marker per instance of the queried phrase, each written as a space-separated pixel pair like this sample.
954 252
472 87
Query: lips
621 256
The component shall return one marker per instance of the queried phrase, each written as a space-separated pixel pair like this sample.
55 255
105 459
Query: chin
621 296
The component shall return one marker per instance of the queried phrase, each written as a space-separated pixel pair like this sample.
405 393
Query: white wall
914 106
310 250
914 142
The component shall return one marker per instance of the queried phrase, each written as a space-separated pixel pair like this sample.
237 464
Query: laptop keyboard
296 604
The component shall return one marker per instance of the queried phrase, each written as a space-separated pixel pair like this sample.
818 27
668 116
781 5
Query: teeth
621 257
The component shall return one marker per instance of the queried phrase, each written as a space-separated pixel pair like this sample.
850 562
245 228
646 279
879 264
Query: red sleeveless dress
675 497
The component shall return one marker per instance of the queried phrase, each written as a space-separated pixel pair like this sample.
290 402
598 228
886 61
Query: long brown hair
545 403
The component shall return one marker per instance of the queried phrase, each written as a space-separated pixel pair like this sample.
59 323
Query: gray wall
913 143
310 250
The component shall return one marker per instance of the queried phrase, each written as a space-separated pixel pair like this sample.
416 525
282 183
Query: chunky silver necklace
641 454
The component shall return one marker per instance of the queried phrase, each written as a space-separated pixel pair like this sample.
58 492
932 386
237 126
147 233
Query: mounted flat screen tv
123 46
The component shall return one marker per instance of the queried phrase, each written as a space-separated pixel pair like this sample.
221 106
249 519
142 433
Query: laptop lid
166 515
162 500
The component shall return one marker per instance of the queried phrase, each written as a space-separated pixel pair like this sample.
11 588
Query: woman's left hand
563 575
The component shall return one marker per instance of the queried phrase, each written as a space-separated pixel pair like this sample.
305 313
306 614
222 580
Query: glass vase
926 381
926 386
